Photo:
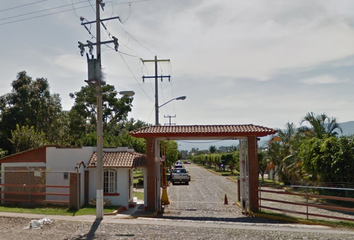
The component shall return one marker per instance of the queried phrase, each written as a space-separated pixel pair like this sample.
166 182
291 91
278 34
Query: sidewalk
131 213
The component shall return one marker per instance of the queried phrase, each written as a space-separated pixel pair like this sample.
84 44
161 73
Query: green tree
171 151
321 126
262 163
212 149
84 110
25 137
328 160
30 103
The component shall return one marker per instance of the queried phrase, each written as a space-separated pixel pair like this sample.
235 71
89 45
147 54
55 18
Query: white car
180 175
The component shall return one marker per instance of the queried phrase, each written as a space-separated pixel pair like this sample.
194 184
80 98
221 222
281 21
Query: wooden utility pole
95 82
169 117
156 85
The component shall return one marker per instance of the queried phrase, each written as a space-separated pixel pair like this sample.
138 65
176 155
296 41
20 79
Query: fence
37 186
309 201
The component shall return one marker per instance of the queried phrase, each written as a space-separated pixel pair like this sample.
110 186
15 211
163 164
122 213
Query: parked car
180 175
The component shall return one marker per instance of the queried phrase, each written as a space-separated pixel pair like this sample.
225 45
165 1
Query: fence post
307 202
78 183
260 196
30 188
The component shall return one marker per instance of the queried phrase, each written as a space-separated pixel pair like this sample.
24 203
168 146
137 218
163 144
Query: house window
110 181
66 175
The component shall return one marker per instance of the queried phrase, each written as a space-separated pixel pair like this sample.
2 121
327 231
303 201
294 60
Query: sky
262 62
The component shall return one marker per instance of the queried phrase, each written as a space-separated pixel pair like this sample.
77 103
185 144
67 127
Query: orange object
225 201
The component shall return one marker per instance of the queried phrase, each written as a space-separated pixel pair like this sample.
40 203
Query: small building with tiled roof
67 175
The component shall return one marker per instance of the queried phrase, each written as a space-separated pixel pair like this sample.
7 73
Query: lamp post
157 109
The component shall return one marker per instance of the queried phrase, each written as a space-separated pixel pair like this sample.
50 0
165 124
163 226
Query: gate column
253 173
152 175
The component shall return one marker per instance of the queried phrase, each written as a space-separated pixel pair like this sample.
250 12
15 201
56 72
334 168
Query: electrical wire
39 11
152 88
92 6
72 3
44 15
130 10
152 110
134 76
139 42
24 5
138 1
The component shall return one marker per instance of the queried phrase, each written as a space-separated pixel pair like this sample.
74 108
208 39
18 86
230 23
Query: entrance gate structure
247 134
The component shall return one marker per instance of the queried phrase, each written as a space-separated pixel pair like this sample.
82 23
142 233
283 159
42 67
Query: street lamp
157 109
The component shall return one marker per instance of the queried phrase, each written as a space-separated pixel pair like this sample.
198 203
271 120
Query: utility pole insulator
116 44
82 48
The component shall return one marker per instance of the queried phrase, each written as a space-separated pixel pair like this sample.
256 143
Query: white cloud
323 79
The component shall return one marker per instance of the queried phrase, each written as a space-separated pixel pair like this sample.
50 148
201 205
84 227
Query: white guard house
67 175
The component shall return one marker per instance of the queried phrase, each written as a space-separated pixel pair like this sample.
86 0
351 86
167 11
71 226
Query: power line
92 6
72 3
134 76
44 15
23 5
39 11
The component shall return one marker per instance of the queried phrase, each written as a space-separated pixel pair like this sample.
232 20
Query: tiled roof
203 131
119 160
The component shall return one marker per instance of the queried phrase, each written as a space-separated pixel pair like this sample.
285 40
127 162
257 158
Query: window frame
110 181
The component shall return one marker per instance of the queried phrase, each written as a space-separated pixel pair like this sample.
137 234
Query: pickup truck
180 175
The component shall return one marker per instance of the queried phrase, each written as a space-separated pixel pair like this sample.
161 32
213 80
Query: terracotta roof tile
203 130
119 160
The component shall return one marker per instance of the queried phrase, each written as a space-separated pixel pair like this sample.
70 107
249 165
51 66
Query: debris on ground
38 224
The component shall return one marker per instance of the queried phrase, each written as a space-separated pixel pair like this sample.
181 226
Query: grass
226 173
345 224
138 175
139 195
57 210
270 183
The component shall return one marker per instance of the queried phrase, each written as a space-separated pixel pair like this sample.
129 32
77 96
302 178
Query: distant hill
347 127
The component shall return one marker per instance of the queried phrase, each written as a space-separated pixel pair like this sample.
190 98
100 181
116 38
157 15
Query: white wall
122 187
82 186
64 160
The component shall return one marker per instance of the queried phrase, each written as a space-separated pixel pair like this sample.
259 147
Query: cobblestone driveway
203 198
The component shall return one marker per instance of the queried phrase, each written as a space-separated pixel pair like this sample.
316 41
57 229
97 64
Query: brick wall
150 174
253 173
22 176
74 191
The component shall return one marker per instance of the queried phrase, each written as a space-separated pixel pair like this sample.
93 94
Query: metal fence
314 202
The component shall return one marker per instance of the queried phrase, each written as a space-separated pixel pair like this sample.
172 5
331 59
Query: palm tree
321 125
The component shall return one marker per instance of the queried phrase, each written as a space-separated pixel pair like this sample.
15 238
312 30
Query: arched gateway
247 134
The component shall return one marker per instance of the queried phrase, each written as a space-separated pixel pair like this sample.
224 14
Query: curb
288 219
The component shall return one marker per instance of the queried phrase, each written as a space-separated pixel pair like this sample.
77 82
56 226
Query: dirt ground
17 228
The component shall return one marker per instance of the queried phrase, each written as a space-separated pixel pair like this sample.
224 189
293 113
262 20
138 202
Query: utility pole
169 117
156 85
95 82
99 168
